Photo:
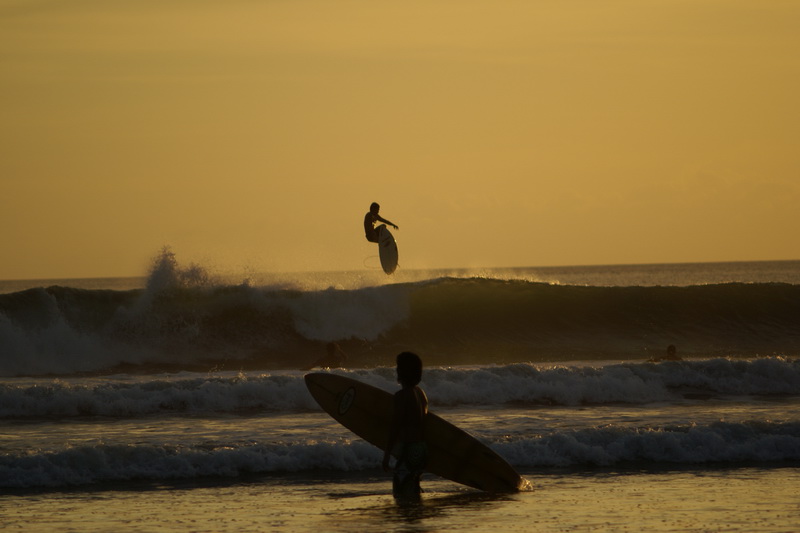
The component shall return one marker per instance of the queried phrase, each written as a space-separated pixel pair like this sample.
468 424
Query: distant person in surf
333 358
672 355
372 233
406 432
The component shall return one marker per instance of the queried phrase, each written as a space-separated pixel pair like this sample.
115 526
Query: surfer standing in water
373 234
406 432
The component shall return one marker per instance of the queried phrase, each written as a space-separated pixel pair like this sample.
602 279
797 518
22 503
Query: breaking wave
186 320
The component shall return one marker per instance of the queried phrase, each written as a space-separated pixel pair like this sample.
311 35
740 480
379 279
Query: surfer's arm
392 224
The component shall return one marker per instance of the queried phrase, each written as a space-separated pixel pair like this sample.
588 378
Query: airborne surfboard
452 453
387 248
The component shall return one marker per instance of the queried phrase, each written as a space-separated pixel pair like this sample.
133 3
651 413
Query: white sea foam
59 398
366 313
720 442
517 384
762 442
108 463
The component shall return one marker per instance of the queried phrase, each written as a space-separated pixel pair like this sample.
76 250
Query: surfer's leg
403 479
408 470
417 458
400 481
405 486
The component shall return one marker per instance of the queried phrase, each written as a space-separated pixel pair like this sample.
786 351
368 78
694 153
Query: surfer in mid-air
373 234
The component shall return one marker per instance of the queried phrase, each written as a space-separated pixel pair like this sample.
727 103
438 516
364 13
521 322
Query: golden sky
255 133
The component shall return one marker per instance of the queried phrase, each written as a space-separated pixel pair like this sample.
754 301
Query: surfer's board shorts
411 460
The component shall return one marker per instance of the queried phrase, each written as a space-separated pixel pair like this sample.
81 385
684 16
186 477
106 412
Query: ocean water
176 401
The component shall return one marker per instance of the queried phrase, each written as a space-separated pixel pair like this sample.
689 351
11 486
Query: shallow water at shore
706 499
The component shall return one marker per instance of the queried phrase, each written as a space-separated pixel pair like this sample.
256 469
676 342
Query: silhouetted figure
372 233
406 433
672 355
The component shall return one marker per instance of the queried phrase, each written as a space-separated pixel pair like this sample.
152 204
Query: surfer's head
374 207
409 369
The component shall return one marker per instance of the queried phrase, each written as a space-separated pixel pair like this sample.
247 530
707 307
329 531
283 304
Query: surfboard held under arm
453 453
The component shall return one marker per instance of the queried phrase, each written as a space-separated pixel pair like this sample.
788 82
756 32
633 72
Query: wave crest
184 320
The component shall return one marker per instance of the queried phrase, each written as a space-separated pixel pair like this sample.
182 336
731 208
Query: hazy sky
253 134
